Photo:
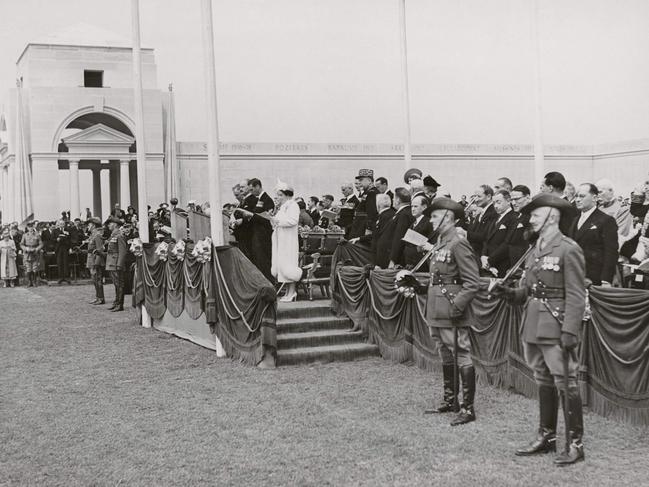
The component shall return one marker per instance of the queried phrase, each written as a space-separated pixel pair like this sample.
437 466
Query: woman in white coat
285 241
8 270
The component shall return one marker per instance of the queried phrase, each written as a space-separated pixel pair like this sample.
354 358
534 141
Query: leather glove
502 291
568 341
455 312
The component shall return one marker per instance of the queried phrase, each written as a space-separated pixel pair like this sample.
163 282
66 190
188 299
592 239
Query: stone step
325 354
302 325
304 309
318 338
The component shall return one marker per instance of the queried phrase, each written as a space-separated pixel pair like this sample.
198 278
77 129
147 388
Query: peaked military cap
443 203
411 173
365 173
430 181
546 199
94 220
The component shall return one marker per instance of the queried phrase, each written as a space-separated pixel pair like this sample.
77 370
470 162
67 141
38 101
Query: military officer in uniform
115 261
454 281
96 258
31 245
366 213
553 291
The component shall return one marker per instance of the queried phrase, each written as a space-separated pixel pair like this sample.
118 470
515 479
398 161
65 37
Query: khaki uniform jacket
116 255
96 243
454 263
31 245
559 269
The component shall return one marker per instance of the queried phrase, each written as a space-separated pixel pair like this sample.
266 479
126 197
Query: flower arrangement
203 250
136 247
178 250
162 251
405 283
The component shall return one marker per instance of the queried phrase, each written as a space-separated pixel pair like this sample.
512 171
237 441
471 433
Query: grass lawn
87 397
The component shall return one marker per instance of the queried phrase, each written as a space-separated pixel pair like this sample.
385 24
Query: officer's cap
443 203
410 173
546 200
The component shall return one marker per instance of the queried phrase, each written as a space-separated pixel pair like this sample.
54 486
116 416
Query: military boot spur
545 442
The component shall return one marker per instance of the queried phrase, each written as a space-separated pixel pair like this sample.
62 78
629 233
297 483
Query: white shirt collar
584 216
500 217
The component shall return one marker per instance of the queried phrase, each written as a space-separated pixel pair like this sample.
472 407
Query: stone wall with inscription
314 169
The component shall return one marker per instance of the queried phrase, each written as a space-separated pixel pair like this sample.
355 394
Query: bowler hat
443 203
410 173
548 200
365 173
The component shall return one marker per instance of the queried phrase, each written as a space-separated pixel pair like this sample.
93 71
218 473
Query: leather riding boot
546 440
467 413
30 276
449 402
575 451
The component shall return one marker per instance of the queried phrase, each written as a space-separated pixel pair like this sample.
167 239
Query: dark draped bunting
193 272
154 279
246 308
614 355
238 302
175 286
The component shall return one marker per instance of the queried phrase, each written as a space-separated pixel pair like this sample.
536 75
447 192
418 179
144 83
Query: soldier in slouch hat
96 258
454 282
553 290
116 261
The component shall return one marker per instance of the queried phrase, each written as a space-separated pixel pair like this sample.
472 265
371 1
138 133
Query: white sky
329 70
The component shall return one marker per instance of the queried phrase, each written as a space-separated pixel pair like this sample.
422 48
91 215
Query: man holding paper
401 222
418 233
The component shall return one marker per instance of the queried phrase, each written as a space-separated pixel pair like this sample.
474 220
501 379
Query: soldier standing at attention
115 261
553 290
96 258
31 245
454 281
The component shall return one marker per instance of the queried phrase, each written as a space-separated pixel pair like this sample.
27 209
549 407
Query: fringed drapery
238 302
614 354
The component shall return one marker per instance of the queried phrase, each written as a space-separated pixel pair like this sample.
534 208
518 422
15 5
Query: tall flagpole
539 162
213 163
139 136
405 90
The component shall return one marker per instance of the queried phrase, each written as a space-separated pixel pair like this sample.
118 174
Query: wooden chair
312 276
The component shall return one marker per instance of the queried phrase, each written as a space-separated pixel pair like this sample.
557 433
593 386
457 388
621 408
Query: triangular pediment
99 134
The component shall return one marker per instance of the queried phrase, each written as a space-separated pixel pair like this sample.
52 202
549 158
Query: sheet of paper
330 215
414 238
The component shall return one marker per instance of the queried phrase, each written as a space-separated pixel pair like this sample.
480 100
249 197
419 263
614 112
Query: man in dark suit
381 238
62 244
401 220
495 253
381 184
519 243
420 224
259 228
312 209
348 204
481 226
326 202
555 183
365 215
596 234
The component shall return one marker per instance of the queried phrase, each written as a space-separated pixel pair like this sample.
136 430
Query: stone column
124 184
104 176
75 204
113 171
96 192
3 194
11 187
48 202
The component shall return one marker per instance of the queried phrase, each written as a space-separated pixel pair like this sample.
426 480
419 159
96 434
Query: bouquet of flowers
303 230
406 284
178 250
203 250
136 247
162 250
335 229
